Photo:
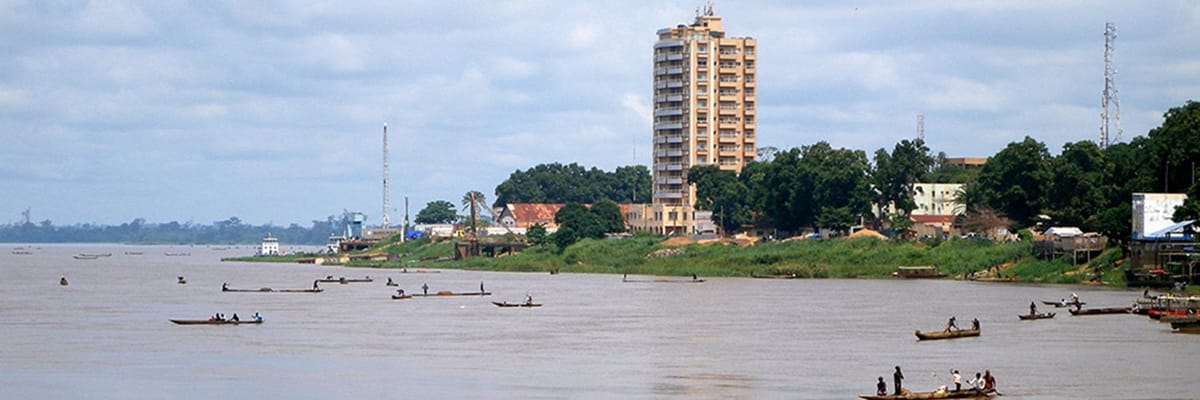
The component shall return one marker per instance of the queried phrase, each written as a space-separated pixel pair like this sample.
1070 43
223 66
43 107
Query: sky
273 111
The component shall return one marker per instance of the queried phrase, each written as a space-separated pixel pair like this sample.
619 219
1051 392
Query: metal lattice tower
386 220
921 127
1110 114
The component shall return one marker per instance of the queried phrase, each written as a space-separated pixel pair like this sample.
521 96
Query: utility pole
386 220
1110 120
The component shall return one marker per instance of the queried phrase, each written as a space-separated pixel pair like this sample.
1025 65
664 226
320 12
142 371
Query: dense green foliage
576 221
437 212
572 183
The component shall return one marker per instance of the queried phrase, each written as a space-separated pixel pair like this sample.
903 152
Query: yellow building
704 114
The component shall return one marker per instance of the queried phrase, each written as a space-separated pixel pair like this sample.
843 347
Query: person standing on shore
896 378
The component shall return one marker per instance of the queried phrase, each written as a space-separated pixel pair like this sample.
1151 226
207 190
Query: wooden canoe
269 290
961 394
449 293
1060 304
662 280
1044 315
953 334
506 304
344 280
213 322
1185 324
774 276
401 296
1102 310
1189 329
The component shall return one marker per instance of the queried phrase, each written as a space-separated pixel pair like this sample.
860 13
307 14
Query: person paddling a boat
950 324
1032 308
62 281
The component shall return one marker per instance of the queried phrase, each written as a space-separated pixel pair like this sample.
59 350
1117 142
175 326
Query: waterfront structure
704 114
269 246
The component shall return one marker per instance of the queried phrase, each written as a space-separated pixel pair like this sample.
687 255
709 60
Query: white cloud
958 94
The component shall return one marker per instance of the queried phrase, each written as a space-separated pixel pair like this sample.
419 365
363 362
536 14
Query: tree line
819 186
229 231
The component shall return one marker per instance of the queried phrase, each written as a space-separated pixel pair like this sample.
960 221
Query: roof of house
532 213
932 219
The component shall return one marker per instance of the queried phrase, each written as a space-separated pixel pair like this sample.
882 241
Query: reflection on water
107 335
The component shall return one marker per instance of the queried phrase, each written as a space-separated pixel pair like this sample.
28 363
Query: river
106 335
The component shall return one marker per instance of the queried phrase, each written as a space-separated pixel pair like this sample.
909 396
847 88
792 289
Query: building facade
704 114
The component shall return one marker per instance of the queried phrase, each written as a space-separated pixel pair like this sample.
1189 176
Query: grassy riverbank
840 258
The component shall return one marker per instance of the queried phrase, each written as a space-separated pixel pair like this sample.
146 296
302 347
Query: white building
269 246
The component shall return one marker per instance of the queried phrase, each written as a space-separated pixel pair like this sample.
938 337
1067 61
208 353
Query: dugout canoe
961 394
449 293
507 304
1101 310
1044 315
213 322
953 334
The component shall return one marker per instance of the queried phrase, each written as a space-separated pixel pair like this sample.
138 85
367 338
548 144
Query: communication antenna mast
921 127
386 220
1110 114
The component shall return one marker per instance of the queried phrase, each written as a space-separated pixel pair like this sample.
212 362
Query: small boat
1061 304
1102 310
449 293
96 254
85 257
401 296
343 280
1044 315
1188 329
953 334
941 394
919 272
269 290
625 279
418 271
390 283
133 253
1185 324
177 254
507 304
1178 318
774 276
214 322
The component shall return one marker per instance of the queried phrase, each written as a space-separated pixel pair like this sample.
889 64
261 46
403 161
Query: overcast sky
272 111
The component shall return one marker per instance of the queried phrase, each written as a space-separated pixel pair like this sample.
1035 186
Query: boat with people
1044 315
447 293
343 280
918 272
401 296
507 304
941 393
214 322
225 288
951 334
85 257
1101 310
695 279
1063 303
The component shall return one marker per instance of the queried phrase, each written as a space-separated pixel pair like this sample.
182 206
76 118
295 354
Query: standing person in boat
975 324
315 284
695 278
425 288
951 324
257 316
481 287
881 388
1032 308
896 378
235 318
957 380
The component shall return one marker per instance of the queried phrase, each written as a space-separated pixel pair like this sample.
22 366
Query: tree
1175 149
608 216
721 192
474 201
582 222
1078 189
895 176
1015 180
437 212
536 234
572 183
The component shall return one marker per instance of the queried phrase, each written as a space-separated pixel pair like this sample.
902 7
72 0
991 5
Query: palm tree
474 200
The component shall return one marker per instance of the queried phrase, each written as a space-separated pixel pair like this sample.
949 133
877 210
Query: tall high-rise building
704 114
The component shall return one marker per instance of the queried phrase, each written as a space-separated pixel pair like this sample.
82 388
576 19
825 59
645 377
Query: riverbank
838 258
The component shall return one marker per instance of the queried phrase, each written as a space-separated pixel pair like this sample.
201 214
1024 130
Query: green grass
840 258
